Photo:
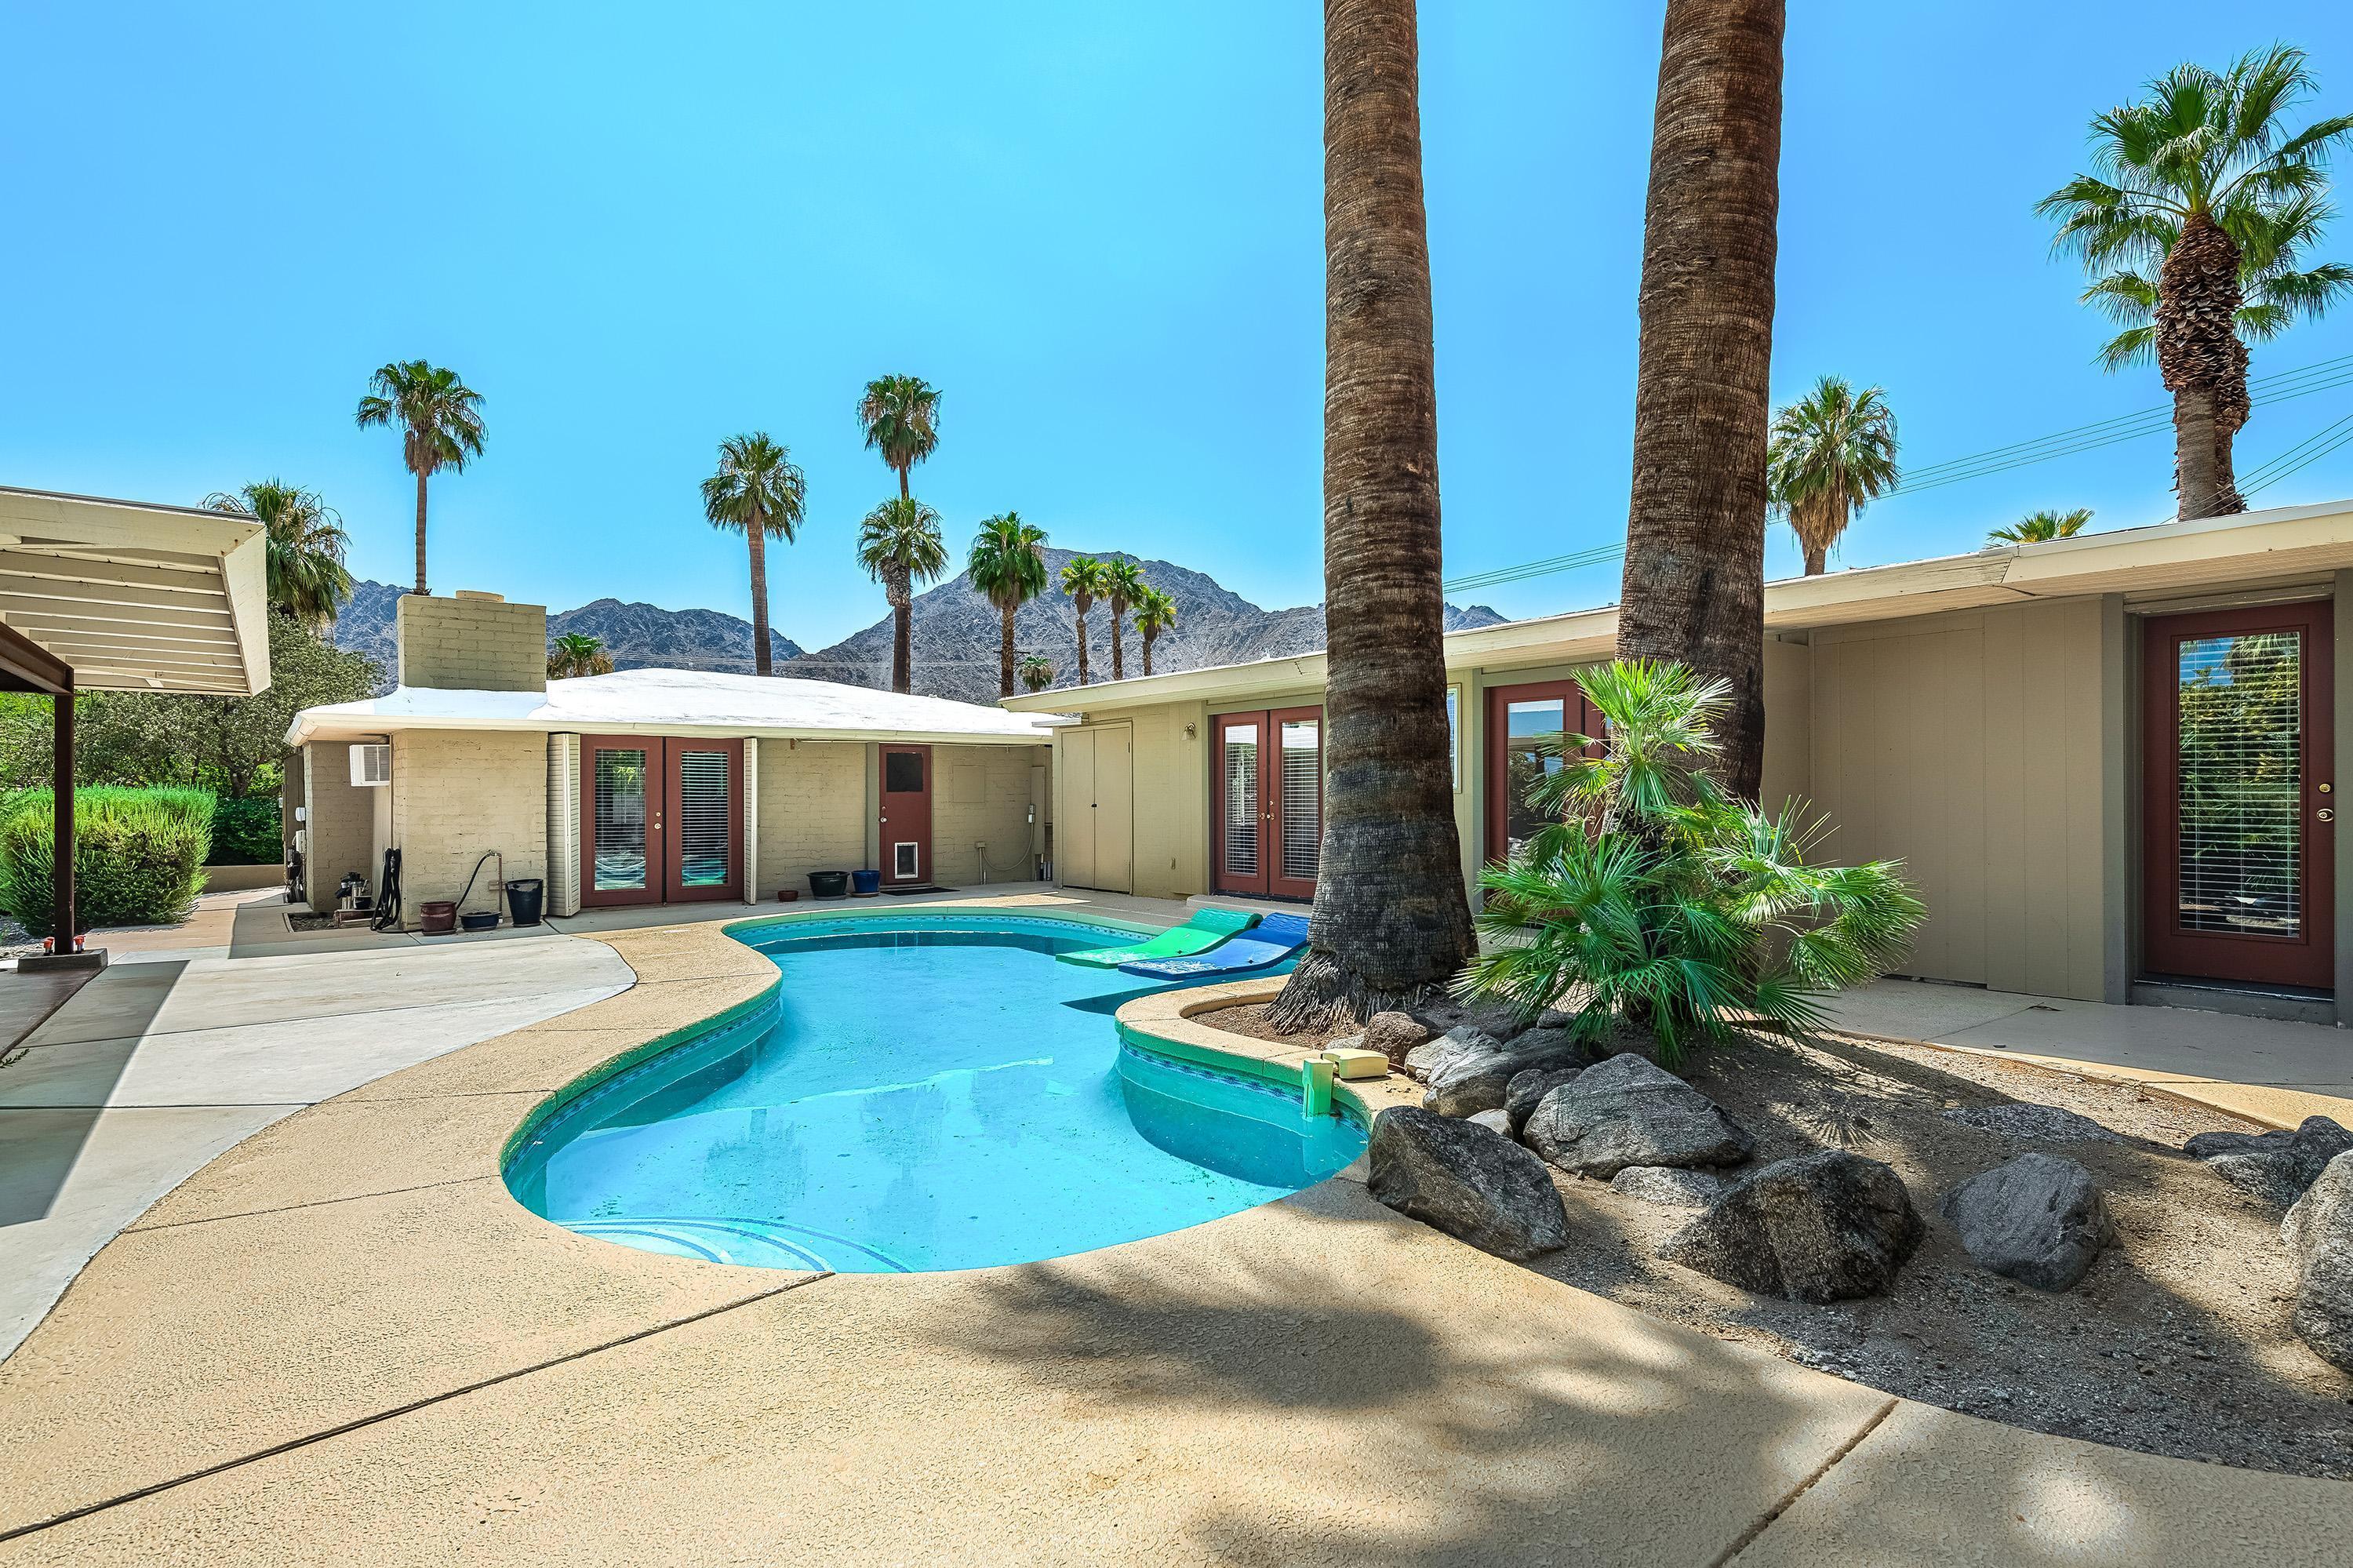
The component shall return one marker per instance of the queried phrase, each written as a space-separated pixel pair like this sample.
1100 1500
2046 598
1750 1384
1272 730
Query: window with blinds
2240 848
1532 752
1302 783
705 804
1242 835
620 821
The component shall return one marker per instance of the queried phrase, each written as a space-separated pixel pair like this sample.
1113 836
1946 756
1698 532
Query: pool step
749 1244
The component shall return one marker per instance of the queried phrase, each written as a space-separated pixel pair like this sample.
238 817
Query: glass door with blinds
661 820
1525 726
1267 801
2239 808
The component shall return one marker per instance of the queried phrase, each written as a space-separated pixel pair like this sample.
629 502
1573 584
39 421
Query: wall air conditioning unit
371 765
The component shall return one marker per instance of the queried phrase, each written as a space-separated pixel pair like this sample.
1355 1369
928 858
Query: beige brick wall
812 810
475 644
980 794
339 823
457 793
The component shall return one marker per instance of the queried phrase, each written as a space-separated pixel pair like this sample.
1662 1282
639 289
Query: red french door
2239 804
1524 725
906 816
1266 813
661 820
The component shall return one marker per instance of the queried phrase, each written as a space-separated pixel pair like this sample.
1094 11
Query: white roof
678 701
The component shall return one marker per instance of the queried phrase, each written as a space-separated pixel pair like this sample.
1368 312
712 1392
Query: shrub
139 855
245 832
1663 902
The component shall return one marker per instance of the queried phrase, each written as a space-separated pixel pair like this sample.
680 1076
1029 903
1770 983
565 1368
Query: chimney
472 642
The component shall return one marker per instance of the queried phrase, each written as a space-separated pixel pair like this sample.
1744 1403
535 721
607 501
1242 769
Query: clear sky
639 229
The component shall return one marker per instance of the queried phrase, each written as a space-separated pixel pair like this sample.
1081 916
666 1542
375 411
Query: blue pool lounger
1270 941
1204 930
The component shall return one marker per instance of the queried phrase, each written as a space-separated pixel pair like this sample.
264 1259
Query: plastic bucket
829 883
866 883
436 918
526 900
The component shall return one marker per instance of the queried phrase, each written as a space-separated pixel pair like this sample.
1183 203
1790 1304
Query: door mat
917 887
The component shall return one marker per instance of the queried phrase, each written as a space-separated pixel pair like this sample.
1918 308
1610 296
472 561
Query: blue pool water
930 1093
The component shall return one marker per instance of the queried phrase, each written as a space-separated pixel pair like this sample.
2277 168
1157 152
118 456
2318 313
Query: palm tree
1156 613
440 420
1695 581
899 544
2036 528
1008 570
1123 585
1037 672
575 653
1084 579
1391 923
1832 452
2202 184
758 492
900 417
304 541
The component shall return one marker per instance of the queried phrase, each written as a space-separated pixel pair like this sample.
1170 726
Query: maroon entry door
661 820
1525 724
2239 804
1266 809
906 816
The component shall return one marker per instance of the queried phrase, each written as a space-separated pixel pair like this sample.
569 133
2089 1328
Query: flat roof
679 702
137 597
2286 546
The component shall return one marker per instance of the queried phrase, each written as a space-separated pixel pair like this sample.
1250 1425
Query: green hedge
139 855
245 832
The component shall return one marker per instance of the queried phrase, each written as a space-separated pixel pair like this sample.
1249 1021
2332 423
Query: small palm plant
1663 902
1156 613
575 653
758 491
1085 579
304 541
1037 672
1124 587
2037 527
1007 567
899 544
440 421
1832 453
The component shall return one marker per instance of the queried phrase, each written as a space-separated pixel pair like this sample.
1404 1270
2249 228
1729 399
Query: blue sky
636 230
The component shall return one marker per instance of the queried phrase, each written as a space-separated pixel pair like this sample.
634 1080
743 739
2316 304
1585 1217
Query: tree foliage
305 544
1832 453
2039 527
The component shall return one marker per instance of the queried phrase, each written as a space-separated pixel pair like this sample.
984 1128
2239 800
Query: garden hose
388 899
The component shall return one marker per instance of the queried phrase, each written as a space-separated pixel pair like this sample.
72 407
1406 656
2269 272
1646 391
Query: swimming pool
930 1092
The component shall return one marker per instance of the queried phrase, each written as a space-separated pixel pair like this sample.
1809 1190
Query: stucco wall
338 825
980 794
812 810
1984 748
458 794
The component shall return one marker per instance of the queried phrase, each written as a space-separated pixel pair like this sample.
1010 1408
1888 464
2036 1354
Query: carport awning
131 597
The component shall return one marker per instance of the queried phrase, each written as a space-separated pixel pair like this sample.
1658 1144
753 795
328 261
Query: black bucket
829 883
526 900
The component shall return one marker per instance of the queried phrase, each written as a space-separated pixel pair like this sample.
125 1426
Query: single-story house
649 786
2108 762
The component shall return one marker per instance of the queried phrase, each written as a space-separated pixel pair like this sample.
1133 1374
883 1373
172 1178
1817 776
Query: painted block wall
339 825
458 793
980 794
472 642
812 810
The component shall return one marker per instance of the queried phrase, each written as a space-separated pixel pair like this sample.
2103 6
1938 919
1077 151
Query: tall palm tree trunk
1149 638
1083 647
1004 652
1695 582
420 534
1391 922
1118 636
901 593
759 595
2204 365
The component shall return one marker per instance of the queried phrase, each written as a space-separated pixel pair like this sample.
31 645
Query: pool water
930 1093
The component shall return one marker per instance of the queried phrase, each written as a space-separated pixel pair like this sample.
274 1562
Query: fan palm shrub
1009 567
2193 225
575 653
304 545
758 491
1155 613
2036 528
440 422
899 544
1085 579
1663 902
1832 453
1037 672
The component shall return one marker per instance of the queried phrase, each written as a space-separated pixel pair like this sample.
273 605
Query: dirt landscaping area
2176 1342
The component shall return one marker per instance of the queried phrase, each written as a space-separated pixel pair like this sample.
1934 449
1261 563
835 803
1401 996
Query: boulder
1628 1111
1502 1021
2038 1220
1493 1121
2274 1167
1424 1061
1467 1181
1666 1185
1464 1086
1528 1089
2318 1231
1393 1035
1827 1227
2030 1123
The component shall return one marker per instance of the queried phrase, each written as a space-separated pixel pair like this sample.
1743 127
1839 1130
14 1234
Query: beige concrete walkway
344 1342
